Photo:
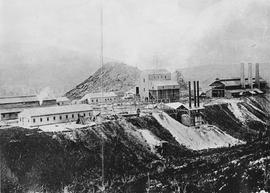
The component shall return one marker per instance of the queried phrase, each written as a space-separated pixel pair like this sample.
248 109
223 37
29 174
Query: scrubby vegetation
35 161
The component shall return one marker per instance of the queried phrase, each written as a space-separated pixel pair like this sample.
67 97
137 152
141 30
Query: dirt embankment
51 161
134 147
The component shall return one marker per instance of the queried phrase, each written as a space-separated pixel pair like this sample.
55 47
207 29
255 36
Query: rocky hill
117 77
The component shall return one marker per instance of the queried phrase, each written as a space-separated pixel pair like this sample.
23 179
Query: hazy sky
180 32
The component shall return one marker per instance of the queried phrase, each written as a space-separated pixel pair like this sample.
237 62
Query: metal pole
194 87
0 170
101 62
189 93
102 156
198 94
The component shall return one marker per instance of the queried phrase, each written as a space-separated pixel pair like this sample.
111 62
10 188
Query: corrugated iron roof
99 95
62 99
155 71
165 83
21 99
175 105
233 82
53 110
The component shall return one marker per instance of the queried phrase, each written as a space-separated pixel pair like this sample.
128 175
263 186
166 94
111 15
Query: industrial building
10 107
130 94
93 98
35 117
157 85
236 87
191 114
63 101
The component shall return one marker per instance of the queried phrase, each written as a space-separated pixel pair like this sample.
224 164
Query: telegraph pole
0 170
101 63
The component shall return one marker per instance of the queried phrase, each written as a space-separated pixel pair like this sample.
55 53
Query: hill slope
114 77
136 147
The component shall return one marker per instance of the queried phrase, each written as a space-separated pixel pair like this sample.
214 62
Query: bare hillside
117 77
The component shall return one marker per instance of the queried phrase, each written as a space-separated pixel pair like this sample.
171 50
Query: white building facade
63 101
94 98
155 84
36 117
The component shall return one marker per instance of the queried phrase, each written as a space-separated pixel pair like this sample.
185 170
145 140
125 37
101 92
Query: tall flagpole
101 63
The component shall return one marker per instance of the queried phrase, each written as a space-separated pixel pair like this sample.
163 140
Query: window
143 89
54 118
92 101
96 100
66 116
72 115
60 117
3 115
40 119
84 114
89 114
34 120
144 80
48 119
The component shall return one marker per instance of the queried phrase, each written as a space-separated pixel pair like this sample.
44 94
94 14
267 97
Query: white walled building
93 98
36 117
157 85
63 101
10 107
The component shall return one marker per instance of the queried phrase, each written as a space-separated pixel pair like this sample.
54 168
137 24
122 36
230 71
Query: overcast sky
179 32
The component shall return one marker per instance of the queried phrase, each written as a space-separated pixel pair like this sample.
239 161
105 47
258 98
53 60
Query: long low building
106 97
10 107
233 88
36 117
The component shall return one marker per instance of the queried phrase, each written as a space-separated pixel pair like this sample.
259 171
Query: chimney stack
195 98
198 94
257 75
189 93
242 75
250 81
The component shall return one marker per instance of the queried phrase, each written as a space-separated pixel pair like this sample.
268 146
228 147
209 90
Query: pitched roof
99 95
175 105
21 99
155 71
232 81
165 83
62 99
53 110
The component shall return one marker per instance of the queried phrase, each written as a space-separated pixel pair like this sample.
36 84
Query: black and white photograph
134 96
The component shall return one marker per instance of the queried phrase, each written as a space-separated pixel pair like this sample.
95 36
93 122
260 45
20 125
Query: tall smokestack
257 75
250 81
195 98
189 93
242 75
198 94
